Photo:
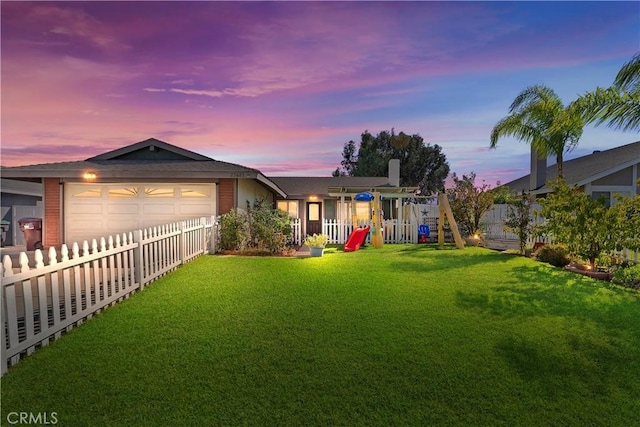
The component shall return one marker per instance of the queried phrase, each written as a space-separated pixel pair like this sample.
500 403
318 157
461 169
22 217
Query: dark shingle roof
140 162
302 186
586 168
137 161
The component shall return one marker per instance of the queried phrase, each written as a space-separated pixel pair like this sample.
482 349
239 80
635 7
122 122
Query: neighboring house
145 184
19 199
601 174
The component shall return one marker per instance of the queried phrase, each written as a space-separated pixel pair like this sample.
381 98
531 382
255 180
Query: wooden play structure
358 235
444 210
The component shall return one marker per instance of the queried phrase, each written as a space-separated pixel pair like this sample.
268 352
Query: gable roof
585 169
151 159
150 149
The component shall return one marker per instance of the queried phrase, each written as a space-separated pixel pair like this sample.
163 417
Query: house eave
270 184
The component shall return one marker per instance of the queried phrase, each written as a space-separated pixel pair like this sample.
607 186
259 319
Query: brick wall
51 224
226 195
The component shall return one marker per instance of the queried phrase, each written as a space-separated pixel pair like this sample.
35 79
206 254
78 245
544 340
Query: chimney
538 170
394 172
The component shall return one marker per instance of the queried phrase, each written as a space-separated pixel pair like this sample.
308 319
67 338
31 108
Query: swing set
359 235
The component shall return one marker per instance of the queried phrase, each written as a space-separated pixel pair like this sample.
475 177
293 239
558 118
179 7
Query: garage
99 210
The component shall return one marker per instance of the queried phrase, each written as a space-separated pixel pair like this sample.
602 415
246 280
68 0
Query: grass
405 335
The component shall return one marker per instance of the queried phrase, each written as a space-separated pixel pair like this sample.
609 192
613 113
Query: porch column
340 215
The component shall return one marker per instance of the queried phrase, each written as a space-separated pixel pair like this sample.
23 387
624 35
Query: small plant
556 255
316 241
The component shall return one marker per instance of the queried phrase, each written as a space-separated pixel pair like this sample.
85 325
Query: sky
282 86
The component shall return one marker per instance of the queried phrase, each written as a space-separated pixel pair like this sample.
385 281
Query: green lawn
405 335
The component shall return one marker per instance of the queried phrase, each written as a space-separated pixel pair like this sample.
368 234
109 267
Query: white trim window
289 206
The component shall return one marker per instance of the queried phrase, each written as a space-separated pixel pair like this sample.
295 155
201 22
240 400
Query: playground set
358 236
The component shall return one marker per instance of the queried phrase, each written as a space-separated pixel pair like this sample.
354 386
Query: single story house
141 185
152 183
601 173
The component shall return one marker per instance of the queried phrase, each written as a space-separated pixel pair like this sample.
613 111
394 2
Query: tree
421 164
519 219
586 226
618 105
538 117
469 202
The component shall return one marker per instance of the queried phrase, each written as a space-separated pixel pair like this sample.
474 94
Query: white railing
41 302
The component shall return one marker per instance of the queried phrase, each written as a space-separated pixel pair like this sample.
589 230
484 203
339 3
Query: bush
627 276
233 232
270 228
557 255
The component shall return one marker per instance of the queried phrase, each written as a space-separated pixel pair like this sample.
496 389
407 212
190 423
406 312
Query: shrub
233 231
556 255
627 275
270 229
469 203
589 227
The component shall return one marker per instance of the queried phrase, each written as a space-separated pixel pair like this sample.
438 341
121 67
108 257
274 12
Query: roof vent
596 151
152 148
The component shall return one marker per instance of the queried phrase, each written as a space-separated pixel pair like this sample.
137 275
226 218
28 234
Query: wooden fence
41 302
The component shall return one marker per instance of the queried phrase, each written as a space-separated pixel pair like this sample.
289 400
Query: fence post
182 243
213 236
138 267
203 242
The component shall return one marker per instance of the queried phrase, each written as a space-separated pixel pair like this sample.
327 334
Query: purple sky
282 86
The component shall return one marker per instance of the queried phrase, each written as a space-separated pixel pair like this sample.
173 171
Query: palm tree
538 117
619 105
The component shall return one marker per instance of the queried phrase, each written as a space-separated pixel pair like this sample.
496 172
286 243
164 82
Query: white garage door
92 211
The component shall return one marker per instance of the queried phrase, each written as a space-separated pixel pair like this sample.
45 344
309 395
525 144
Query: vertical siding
52 221
226 194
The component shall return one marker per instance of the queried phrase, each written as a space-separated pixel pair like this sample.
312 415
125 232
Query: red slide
356 239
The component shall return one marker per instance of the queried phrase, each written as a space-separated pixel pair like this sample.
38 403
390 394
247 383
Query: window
362 211
330 209
606 195
609 196
88 192
123 192
196 192
314 212
289 206
157 192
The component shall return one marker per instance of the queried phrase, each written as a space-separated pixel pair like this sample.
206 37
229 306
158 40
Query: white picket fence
296 236
41 302
393 231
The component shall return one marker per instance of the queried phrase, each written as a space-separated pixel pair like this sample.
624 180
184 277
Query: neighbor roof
585 169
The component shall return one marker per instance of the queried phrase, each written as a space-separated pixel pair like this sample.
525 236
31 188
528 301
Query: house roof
300 187
151 159
585 169
155 147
